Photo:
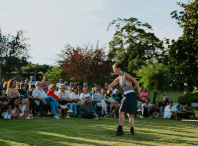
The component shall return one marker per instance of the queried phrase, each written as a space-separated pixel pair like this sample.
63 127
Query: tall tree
184 51
13 51
133 44
87 65
154 77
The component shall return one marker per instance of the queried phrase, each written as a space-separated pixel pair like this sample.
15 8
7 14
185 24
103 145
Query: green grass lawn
77 131
171 93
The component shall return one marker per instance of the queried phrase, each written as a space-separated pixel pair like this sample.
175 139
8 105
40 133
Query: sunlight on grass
76 138
7 142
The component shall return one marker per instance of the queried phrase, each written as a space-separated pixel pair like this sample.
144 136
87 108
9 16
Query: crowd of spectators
23 100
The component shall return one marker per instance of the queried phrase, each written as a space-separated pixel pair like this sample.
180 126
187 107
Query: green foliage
54 74
184 51
154 77
188 98
133 44
31 68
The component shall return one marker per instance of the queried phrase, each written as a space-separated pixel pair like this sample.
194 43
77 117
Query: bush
188 98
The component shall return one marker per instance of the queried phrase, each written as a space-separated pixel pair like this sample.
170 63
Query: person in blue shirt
1 84
32 81
91 93
180 113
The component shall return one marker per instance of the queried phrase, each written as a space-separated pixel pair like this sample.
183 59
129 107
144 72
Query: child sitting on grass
114 104
13 110
23 109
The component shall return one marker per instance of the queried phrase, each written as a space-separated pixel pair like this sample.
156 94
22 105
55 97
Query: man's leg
88 115
75 108
51 104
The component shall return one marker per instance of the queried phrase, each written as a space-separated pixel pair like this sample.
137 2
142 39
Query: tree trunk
155 94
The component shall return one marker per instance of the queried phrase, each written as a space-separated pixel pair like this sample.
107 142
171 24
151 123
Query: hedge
188 98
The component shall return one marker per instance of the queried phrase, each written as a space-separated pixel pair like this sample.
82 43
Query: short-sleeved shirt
40 93
74 96
178 108
149 105
44 84
51 93
58 85
32 82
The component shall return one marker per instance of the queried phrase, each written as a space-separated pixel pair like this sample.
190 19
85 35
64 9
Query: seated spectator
12 89
121 91
86 109
13 110
114 104
92 92
31 98
166 98
139 108
157 110
22 81
56 91
69 91
86 91
60 83
170 111
189 111
75 84
66 85
1 84
27 84
147 108
3 103
163 105
100 102
51 90
22 91
24 109
180 112
71 85
117 96
85 85
40 94
45 84
32 81
75 96
144 94
66 99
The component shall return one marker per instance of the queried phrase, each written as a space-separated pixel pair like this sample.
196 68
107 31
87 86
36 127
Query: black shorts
63 102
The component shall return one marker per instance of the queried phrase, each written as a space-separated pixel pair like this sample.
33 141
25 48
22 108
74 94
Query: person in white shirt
60 83
170 111
40 94
86 92
75 98
147 108
69 91
71 85
79 93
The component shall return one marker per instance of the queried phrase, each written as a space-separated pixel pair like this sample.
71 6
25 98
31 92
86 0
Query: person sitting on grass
85 92
157 110
180 112
100 102
23 109
13 110
189 112
86 109
163 105
170 111
114 104
51 90
147 108
40 94
75 98
139 108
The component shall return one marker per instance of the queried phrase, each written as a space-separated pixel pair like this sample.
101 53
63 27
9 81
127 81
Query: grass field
77 131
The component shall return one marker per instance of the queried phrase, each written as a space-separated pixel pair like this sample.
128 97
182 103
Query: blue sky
51 24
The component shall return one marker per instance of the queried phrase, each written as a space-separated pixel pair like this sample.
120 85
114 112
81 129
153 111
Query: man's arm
37 97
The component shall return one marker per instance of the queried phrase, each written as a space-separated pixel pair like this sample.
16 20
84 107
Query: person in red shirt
51 90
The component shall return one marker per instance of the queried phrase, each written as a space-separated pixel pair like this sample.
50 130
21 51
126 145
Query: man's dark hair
119 65
149 99
22 85
23 79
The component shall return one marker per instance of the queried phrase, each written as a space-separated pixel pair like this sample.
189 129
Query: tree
133 44
13 51
154 77
87 65
184 51
54 74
